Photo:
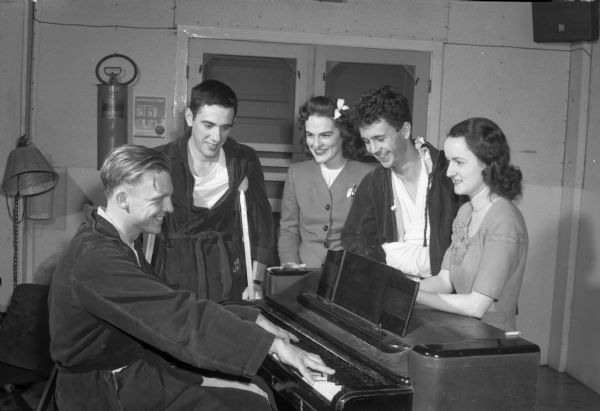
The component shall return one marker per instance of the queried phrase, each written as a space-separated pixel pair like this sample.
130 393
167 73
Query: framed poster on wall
149 117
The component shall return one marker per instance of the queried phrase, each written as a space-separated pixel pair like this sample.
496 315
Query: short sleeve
502 248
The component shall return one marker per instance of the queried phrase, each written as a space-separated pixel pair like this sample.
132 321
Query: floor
559 391
555 391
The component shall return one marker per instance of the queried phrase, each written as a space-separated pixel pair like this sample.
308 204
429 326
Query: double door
272 80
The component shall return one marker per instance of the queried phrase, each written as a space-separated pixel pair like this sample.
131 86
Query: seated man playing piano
122 339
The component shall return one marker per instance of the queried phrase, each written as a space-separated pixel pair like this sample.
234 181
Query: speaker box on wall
565 21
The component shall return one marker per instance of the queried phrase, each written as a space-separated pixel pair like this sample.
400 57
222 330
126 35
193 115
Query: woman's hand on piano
275 330
299 359
293 266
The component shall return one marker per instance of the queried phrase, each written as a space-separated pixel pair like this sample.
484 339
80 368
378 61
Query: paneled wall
583 335
13 45
489 64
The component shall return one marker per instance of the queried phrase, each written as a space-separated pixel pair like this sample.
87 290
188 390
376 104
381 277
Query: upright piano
390 354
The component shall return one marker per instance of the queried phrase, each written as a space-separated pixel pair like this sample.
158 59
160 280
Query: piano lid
374 291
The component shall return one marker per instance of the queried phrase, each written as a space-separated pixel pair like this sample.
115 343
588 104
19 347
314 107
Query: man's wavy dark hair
383 103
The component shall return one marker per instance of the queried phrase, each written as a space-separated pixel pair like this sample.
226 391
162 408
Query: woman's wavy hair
487 141
352 146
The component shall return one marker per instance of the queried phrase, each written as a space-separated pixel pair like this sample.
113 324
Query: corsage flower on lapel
351 191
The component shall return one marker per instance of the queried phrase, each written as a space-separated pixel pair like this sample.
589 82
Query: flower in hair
340 107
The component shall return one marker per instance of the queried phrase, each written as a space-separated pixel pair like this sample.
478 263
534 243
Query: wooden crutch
246 237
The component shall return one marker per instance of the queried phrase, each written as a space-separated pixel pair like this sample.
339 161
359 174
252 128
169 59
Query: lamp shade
27 171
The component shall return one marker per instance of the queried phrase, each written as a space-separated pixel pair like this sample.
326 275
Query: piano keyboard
349 376
319 382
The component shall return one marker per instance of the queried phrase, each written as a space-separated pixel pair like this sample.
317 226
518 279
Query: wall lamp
27 173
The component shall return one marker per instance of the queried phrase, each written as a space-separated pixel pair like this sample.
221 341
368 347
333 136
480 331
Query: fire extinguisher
112 106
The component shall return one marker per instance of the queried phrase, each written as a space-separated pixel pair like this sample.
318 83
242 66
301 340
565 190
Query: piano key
327 389
318 376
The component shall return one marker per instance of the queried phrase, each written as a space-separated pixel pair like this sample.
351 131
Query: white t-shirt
211 187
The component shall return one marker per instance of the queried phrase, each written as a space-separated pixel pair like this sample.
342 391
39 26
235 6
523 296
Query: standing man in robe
403 210
200 248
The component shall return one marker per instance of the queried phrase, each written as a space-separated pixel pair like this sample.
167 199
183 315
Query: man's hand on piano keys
299 359
275 330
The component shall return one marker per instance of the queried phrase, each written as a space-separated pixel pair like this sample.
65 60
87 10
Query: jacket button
326 245
328 207
325 228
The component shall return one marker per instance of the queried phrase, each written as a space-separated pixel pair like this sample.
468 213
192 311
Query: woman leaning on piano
483 268
318 193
